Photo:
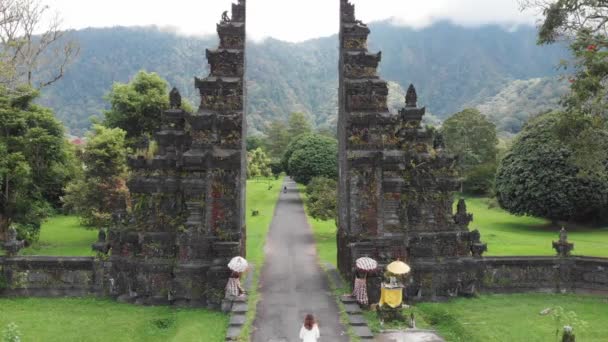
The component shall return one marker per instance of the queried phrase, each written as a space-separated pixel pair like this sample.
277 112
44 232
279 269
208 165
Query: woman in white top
310 330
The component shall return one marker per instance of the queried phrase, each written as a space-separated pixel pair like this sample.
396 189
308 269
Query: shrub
539 176
322 198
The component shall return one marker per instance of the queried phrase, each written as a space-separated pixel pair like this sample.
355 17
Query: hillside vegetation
451 66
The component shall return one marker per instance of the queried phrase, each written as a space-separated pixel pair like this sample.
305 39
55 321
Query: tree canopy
472 137
103 189
137 106
35 162
258 164
311 155
539 177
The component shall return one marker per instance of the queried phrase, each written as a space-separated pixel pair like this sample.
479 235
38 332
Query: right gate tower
396 181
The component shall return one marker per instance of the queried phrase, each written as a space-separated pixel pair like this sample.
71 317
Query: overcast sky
291 20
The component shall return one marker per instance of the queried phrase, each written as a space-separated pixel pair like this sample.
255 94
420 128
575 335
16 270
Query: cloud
291 20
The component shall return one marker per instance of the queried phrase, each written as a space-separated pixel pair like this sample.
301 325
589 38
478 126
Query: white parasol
238 264
366 264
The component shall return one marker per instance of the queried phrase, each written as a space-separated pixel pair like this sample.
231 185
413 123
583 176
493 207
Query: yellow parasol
398 267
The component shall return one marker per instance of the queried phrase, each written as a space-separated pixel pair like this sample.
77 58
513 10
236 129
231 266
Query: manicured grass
63 236
262 195
508 234
67 320
509 318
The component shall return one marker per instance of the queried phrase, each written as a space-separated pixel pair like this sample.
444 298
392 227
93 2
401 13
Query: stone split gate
396 185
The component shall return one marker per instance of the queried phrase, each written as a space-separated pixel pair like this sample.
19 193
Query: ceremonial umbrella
238 264
366 264
398 267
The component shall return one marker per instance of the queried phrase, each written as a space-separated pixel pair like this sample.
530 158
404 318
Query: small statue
101 246
562 246
175 99
563 235
12 246
411 98
462 217
225 17
11 235
439 142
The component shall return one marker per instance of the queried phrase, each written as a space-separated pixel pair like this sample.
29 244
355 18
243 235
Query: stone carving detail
225 18
12 246
462 218
562 246
101 246
477 247
175 99
411 98
187 217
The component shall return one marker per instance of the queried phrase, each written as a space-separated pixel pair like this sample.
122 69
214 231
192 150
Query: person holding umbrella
364 265
237 265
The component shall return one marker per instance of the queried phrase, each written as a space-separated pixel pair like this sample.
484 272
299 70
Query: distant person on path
284 189
310 330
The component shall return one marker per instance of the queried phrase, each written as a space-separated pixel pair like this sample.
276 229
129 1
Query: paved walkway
292 283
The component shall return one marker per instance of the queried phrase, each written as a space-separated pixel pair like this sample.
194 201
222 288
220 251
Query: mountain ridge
451 66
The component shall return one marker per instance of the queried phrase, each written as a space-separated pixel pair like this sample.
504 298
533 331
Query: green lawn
64 236
508 234
64 320
508 318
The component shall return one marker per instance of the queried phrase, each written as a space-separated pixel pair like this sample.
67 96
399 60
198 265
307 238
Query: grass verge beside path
66 320
263 197
63 236
507 234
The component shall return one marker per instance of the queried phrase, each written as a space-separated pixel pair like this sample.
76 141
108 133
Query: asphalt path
292 283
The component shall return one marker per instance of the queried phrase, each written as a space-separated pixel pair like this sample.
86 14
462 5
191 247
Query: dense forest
502 72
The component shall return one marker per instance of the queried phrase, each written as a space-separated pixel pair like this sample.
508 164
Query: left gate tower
186 217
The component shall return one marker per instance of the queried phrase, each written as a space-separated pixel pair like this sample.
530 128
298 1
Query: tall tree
258 164
277 139
582 24
103 189
34 50
298 123
35 162
472 137
136 107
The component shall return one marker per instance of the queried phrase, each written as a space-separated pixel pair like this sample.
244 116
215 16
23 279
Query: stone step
357 320
237 319
239 307
352 308
348 299
233 333
363 332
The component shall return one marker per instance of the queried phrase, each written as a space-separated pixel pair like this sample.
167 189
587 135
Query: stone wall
431 281
52 277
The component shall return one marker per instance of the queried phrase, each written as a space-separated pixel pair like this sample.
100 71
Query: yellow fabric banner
391 297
